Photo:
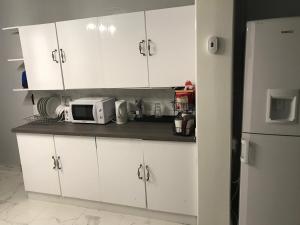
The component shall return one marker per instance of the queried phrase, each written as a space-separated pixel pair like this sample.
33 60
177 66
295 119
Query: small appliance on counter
121 112
97 110
185 98
184 106
184 124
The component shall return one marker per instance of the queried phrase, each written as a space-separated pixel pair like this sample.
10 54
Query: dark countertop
136 130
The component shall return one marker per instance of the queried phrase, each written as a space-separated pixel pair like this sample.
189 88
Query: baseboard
184 219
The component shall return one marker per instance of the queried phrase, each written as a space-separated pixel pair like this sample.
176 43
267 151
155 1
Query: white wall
214 94
25 12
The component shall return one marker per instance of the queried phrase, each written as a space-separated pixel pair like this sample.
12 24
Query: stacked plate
47 107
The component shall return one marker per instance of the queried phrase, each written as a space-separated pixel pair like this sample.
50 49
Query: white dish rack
48 109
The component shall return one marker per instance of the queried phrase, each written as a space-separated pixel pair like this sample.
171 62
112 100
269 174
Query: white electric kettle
121 111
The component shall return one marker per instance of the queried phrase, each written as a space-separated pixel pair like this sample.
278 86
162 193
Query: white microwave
92 110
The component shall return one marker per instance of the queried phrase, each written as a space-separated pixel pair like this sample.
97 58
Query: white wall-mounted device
213 44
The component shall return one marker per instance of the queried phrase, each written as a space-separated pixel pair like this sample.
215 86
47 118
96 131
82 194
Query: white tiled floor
16 209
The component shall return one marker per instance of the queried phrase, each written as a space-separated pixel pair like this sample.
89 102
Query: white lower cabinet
171 176
159 175
37 154
119 162
78 172
60 165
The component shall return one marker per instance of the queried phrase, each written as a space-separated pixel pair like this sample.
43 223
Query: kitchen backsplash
150 97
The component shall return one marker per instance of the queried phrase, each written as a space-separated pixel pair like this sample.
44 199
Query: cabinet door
41 57
78 161
79 43
36 154
172 184
119 162
172 46
123 64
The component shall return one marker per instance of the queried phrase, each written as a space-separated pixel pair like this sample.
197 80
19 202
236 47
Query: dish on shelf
15 60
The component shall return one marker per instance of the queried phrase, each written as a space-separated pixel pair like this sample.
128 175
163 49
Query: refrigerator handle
245 151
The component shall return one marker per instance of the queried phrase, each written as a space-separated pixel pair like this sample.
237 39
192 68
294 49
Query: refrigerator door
272 77
270 180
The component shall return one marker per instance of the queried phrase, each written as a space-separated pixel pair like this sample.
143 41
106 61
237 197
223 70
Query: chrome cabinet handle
63 56
139 172
54 56
149 47
141 48
148 173
58 163
54 163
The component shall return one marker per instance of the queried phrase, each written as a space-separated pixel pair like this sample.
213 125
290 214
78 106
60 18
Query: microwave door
83 113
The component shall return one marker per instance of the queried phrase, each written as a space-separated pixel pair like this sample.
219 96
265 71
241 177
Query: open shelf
10 28
20 89
15 60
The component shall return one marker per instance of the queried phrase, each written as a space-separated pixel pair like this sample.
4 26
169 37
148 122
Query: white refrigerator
270 155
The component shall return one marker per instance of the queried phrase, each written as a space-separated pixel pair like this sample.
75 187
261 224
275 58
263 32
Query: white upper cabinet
79 44
155 48
123 49
171 41
121 171
41 57
78 167
171 176
38 159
